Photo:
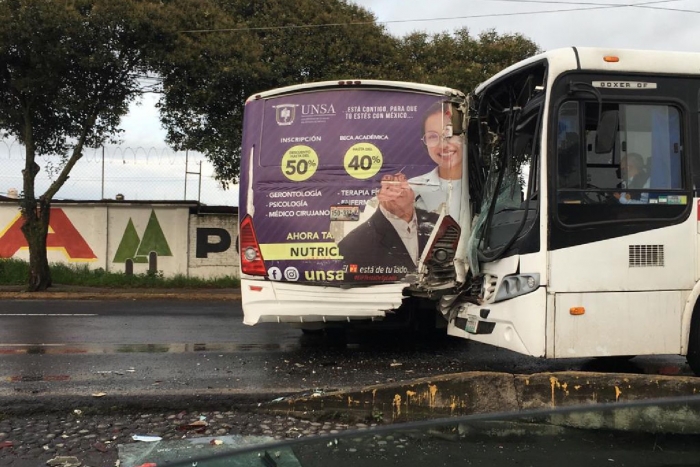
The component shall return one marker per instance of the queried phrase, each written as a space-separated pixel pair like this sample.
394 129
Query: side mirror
606 132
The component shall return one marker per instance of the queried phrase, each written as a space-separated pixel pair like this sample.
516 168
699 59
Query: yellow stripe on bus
302 251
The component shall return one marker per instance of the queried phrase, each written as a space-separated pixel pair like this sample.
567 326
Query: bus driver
634 176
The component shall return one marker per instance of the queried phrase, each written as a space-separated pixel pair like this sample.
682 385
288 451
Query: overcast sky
594 23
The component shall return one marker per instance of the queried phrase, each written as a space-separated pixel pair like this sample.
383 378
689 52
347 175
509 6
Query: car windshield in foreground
646 433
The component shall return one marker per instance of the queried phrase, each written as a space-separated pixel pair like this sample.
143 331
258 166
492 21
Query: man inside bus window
395 234
633 176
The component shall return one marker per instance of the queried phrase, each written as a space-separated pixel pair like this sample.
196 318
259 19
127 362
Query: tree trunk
35 228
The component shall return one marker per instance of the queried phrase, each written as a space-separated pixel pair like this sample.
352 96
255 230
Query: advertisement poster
348 184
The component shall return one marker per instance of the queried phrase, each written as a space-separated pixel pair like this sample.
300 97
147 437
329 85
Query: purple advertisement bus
346 189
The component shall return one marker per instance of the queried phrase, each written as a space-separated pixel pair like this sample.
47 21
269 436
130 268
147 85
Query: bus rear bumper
284 302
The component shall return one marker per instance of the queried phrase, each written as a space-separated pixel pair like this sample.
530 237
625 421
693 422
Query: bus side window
640 178
569 147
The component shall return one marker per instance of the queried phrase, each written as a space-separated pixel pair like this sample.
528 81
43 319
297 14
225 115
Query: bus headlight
516 285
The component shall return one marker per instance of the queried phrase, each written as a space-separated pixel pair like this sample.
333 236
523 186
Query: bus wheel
693 356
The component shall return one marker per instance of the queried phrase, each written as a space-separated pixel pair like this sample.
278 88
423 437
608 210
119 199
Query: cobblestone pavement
93 439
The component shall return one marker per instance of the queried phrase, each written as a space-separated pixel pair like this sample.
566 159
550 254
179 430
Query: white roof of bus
591 58
340 84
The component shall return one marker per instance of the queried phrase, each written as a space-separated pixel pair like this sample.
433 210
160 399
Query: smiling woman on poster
444 183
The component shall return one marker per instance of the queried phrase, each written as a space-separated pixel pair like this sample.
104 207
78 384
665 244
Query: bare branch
74 158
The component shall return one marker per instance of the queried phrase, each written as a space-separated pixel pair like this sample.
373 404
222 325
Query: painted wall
213 245
187 239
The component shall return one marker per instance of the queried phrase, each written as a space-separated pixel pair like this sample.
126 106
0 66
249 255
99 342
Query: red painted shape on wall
64 236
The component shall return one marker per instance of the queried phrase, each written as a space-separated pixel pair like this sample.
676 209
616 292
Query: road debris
198 426
116 372
100 447
146 438
64 461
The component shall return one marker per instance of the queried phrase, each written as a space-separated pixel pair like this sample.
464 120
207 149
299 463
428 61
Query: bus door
621 244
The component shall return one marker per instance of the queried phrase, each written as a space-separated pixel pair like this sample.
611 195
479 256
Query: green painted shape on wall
153 239
128 245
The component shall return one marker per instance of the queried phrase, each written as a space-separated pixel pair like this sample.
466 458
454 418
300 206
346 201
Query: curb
25 405
483 392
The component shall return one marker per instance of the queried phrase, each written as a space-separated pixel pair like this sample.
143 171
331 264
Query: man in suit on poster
395 235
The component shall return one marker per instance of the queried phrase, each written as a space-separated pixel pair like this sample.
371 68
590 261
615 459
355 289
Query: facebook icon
274 273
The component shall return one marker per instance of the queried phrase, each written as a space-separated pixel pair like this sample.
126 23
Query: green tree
68 71
459 60
266 44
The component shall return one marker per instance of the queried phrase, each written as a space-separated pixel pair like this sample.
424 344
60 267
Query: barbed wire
13 150
137 173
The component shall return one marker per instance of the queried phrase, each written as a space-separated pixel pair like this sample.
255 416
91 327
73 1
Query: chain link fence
136 173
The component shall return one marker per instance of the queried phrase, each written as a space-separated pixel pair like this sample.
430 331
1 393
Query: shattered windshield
509 147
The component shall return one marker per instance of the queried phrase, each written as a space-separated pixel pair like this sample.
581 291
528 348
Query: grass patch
16 272
13 272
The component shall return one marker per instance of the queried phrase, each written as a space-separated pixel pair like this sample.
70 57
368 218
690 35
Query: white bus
586 240
347 189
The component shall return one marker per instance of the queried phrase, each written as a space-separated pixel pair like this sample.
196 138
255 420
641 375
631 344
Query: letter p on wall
221 241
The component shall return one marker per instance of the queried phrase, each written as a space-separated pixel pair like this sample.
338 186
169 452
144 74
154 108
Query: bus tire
693 356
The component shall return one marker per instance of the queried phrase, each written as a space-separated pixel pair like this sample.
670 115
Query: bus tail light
251 259
577 310
442 251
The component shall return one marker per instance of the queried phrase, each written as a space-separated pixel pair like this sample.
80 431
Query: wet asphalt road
131 348
155 361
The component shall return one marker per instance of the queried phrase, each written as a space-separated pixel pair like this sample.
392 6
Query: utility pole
187 154
103 172
187 172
